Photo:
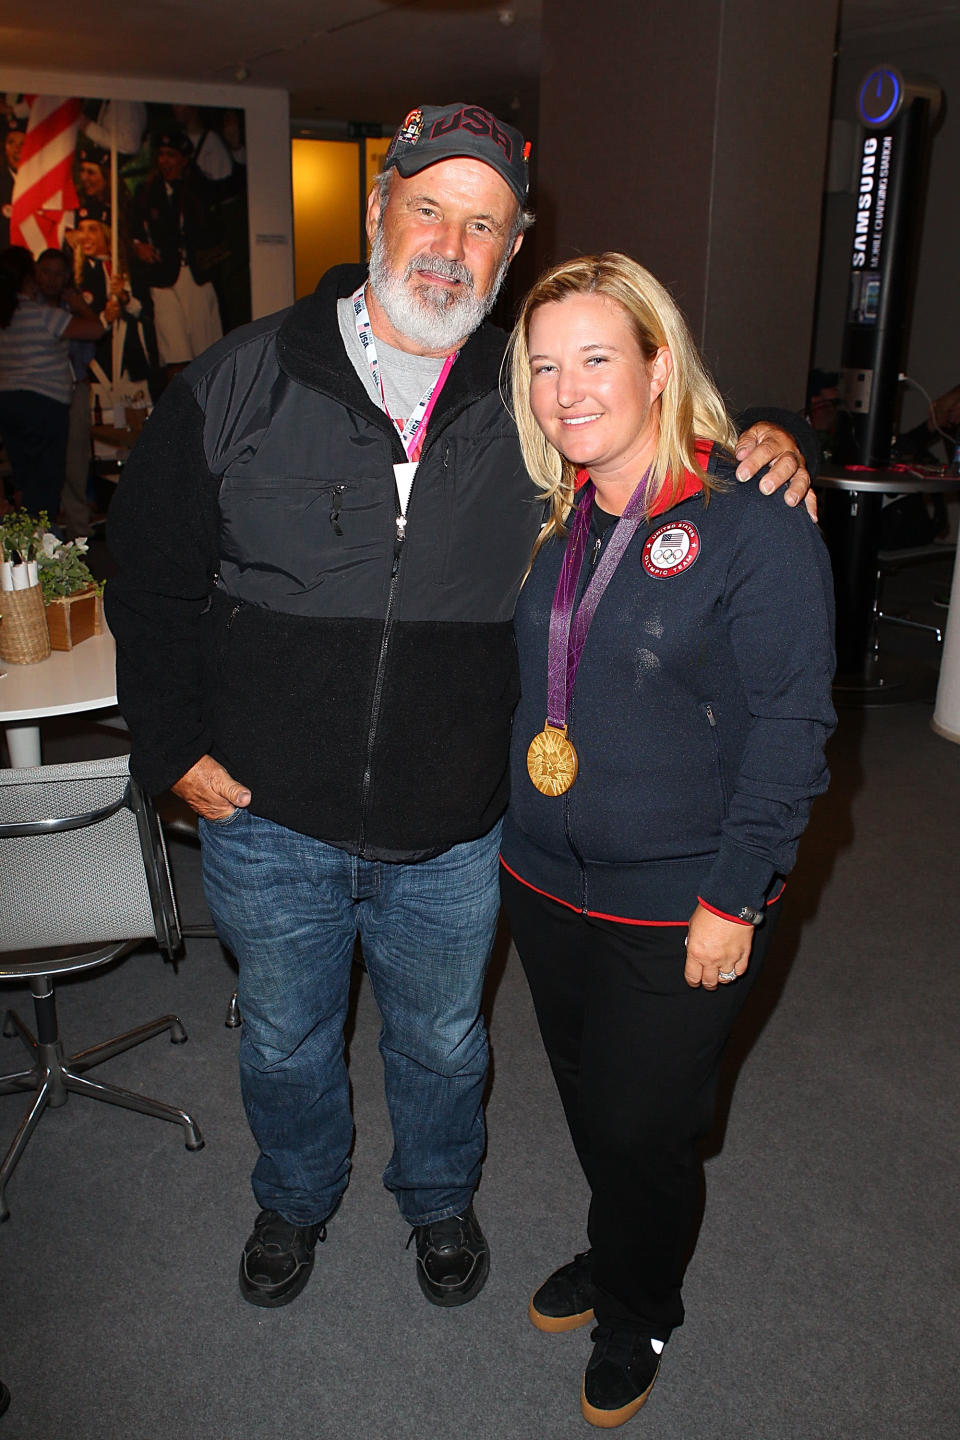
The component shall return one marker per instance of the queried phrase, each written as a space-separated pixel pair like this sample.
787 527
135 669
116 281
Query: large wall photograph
148 202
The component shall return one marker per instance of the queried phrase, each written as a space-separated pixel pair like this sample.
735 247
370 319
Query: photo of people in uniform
169 272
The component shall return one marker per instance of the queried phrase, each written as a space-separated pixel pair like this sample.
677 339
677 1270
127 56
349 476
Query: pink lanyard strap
414 433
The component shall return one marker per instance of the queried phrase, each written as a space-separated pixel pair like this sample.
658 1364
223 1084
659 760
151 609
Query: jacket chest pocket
486 515
290 536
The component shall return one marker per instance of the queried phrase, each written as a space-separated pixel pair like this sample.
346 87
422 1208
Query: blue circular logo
880 95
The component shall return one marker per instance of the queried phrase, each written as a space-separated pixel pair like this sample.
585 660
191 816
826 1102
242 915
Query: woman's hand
715 945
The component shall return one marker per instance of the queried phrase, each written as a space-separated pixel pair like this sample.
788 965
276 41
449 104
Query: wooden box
73 618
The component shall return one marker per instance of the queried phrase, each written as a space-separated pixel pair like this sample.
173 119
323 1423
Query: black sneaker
452 1259
618 1377
565 1301
277 1259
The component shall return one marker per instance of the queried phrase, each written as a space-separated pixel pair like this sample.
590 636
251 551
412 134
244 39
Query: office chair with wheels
85 880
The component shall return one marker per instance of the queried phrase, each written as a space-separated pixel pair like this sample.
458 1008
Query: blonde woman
675 642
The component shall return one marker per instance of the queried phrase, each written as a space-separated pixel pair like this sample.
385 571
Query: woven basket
72 618
24 637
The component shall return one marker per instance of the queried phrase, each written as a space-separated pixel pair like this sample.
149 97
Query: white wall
934 348
269 199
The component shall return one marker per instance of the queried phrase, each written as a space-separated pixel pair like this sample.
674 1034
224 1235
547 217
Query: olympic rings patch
671 549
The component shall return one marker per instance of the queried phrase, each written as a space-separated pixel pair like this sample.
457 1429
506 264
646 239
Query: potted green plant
70 593
24 638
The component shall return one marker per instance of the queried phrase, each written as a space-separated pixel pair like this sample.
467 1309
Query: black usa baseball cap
442 132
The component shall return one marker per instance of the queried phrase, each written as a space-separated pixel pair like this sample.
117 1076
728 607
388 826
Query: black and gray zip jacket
268 613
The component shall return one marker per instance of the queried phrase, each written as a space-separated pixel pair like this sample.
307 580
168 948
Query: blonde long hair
690 405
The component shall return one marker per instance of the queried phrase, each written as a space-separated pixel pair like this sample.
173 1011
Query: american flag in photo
44 197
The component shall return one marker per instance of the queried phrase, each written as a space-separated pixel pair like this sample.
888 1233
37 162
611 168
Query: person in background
937 433
315 652
111 296
906 521
211 154
93 174
36 380
675 639
54 281
115 122
177 248
231 124
9 165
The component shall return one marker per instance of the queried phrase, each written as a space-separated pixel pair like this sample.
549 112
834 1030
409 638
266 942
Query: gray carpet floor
822 1296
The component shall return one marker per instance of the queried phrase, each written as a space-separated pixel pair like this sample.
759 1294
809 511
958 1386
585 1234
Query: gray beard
430 315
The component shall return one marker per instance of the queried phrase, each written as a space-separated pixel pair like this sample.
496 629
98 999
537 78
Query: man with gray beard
320 538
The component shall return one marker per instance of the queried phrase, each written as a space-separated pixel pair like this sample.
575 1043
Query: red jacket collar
692 484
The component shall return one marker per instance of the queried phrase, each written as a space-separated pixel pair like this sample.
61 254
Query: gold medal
551 760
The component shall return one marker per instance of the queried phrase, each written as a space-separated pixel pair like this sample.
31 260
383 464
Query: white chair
85 880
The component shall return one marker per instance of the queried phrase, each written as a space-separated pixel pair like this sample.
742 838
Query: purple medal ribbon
568 632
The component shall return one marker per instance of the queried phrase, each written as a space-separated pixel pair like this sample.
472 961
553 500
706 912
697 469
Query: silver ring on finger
727 974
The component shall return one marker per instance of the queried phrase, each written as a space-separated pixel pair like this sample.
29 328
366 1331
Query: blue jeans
289 908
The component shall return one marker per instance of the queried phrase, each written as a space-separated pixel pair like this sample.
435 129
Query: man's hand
210 790
765 444
146 252
715 944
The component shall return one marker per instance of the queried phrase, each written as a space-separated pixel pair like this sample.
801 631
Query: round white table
67 682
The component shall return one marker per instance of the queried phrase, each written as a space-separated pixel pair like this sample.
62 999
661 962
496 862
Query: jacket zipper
714 731
401 526
576 855
388 622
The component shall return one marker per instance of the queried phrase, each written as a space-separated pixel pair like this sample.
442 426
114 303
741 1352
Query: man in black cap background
177 249
315 651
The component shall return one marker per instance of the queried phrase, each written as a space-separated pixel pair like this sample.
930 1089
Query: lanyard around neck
413 433
568 630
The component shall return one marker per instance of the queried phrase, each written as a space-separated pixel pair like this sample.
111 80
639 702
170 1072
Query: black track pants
635 1053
